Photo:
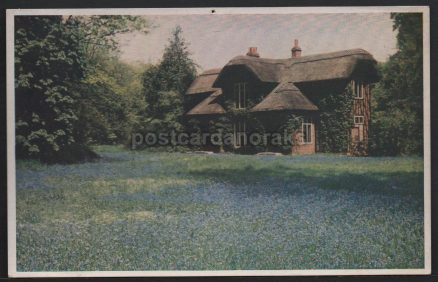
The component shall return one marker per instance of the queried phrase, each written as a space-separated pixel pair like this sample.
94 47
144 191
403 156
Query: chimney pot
252 52
296 50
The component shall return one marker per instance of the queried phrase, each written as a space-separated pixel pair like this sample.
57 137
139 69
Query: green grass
176 211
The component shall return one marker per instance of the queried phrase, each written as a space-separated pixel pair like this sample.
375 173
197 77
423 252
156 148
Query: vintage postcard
218 141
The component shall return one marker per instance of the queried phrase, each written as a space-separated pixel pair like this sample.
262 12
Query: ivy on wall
336 119
292 126
335 122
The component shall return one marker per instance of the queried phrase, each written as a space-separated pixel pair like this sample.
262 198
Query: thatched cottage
272 89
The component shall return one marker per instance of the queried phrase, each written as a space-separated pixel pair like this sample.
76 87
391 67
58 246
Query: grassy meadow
177 211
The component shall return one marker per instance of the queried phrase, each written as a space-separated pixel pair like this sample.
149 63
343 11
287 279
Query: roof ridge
302 60
261 60
211 71
289 95
342 53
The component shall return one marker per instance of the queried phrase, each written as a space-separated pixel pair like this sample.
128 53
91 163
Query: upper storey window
359 88
240 95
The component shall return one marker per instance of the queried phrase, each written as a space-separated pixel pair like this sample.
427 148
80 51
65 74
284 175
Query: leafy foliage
100 32
165 84
177 69
110 104
48 62
335 121
223 125
63 86
292 126
175 72
397 126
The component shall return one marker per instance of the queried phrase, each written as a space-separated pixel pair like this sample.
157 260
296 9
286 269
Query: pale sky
215 39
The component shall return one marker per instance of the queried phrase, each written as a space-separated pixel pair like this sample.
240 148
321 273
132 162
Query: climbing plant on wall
292 126
335 121
253 125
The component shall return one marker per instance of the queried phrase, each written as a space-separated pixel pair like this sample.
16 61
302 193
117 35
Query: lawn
178 211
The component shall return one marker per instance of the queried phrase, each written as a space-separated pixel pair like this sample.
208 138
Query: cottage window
239 133
240 95
358 89
358 120
307 132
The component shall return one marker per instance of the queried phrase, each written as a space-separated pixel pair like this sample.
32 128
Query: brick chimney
296 50
253 52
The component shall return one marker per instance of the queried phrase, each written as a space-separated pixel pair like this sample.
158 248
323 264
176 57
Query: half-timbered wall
361 115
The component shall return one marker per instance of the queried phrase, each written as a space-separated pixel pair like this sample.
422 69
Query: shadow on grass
289 180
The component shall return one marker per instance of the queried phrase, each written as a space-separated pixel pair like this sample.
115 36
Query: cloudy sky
214 39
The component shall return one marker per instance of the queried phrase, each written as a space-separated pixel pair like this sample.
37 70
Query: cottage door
357 133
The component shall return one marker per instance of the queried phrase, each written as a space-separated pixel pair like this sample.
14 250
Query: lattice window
358 120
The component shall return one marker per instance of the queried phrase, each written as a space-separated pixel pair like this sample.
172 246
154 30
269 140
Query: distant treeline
72 90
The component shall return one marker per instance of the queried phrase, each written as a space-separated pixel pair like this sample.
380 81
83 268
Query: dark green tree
164 85
48 61
108 98
177 69
397 126
55 58
175 72
151 86
335 121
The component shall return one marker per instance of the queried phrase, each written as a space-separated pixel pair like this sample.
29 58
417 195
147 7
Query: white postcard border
11 198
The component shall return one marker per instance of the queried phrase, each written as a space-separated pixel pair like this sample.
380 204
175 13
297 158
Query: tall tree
48 61
177 69
164 86
99 33
105 96
398 98
175 72
55 57
109 102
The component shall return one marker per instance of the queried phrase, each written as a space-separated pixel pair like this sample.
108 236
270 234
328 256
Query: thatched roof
266 70
335 65
285 72
204 82
208 106
286 96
